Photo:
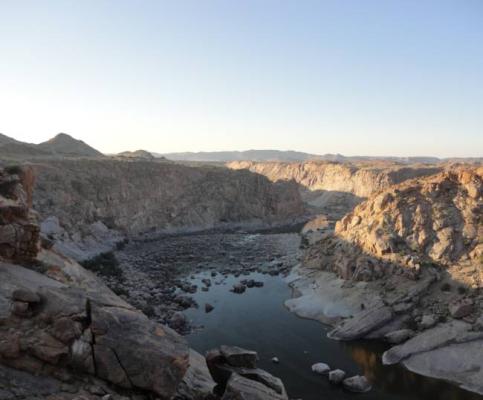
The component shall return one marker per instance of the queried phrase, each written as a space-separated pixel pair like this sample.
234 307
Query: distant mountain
251 155
6 140
60 146
66 145
297 156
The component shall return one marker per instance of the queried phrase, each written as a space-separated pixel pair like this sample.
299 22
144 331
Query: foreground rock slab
95 333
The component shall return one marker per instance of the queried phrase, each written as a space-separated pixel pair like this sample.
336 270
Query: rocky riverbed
155 273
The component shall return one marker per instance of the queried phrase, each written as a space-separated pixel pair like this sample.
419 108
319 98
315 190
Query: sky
385 77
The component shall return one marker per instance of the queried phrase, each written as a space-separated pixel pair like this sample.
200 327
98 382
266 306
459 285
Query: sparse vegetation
120 291
462 290
446 287
104 264
122 244
13 169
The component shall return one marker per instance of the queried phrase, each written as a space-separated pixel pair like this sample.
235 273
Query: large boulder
358 384
238 357
461 308
197 383
362 323
94 332
240 388
236 370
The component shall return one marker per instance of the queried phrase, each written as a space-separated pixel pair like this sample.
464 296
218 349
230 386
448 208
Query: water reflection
258 320
395 379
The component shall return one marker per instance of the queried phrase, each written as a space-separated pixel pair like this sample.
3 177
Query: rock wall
19 232
136 196
335 188
361 180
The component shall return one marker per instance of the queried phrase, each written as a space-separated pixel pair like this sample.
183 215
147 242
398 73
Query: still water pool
258 320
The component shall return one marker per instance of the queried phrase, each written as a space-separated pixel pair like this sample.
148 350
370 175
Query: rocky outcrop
405 266
335 188
59 329
434 221
19 231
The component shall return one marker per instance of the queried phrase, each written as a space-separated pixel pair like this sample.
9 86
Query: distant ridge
64 145
4 139
139 154
297 156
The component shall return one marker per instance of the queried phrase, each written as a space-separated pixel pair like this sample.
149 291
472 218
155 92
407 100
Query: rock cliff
361 180
435 220
333 188
19 232
86 196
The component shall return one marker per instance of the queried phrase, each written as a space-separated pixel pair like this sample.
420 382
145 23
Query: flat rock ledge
450 351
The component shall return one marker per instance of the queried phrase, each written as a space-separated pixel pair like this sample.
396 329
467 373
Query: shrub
13 169
446 287
104 264
122 244
462 290
120 291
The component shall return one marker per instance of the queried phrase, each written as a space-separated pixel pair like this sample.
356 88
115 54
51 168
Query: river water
258 320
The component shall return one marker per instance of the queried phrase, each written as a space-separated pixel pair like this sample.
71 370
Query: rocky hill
65 145
335 188
4 139
61 146
85 198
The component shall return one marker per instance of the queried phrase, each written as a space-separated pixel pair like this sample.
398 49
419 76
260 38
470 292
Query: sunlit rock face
432 220
336 188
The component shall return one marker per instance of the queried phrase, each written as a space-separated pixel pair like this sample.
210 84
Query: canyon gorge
136 277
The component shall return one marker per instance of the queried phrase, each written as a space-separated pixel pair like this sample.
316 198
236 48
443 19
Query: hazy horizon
374 78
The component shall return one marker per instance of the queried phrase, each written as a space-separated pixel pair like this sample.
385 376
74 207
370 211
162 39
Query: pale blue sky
365 77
